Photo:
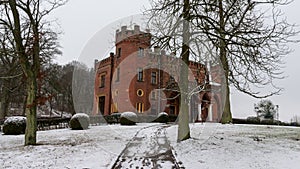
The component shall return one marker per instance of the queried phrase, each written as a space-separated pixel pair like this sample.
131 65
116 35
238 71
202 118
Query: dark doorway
204 107
172 110
101 104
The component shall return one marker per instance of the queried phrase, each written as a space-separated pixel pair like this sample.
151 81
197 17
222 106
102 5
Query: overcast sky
85 22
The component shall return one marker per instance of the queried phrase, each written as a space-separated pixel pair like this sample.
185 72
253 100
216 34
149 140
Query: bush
80 121
14 125
128 118
162 117
173 118
253 120
267 122
239 121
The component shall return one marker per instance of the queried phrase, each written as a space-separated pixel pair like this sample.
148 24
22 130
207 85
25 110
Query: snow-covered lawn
212 146
97 147
217 146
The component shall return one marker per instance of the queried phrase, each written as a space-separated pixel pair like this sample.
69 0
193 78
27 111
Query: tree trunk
31 117
30 74
2 111
183 122
226 116
4 103
24 105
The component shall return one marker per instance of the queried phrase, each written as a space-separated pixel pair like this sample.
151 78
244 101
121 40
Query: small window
153 110
141 52
140 92
153 77
102 81
119 52
172 79
153 95
116 92
140 107
118 75
140 74
114 107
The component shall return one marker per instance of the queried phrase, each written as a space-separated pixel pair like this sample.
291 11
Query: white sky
83 21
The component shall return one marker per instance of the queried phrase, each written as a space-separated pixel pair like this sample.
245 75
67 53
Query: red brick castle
138 79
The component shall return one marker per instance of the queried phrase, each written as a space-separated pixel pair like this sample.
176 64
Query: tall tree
251 38
171 24
82 90
10 73
183 124
30 13
175 27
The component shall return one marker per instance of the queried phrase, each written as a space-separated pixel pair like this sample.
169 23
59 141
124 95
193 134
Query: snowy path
149 148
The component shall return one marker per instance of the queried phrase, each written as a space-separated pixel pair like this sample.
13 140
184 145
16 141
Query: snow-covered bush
162 117
128 118
79 121
14 125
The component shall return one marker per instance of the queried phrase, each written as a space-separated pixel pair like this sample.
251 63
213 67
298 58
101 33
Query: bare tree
10 73
26 19
176 19
249 37
173 28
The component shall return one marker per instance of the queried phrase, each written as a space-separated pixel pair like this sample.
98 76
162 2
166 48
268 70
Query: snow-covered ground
97 147
212 146
216 146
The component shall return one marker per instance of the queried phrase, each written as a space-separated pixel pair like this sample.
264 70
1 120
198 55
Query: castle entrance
101 104
204 107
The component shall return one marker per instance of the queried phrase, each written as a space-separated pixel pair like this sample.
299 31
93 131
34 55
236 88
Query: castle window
118 75
114 107
119 52
140 92
140 107
153 110
153 77
141 52
153 95
140 74
102 81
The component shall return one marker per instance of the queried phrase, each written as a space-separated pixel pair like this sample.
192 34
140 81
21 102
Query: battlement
103 62
125 33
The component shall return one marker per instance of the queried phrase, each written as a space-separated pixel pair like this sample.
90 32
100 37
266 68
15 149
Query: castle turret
129 41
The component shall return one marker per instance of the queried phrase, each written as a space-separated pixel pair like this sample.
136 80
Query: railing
49 123
52 123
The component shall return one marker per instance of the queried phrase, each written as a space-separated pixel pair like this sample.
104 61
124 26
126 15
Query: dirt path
149 148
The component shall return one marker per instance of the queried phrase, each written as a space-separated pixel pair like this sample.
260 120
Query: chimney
123 28
95 64
111 54
136 28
